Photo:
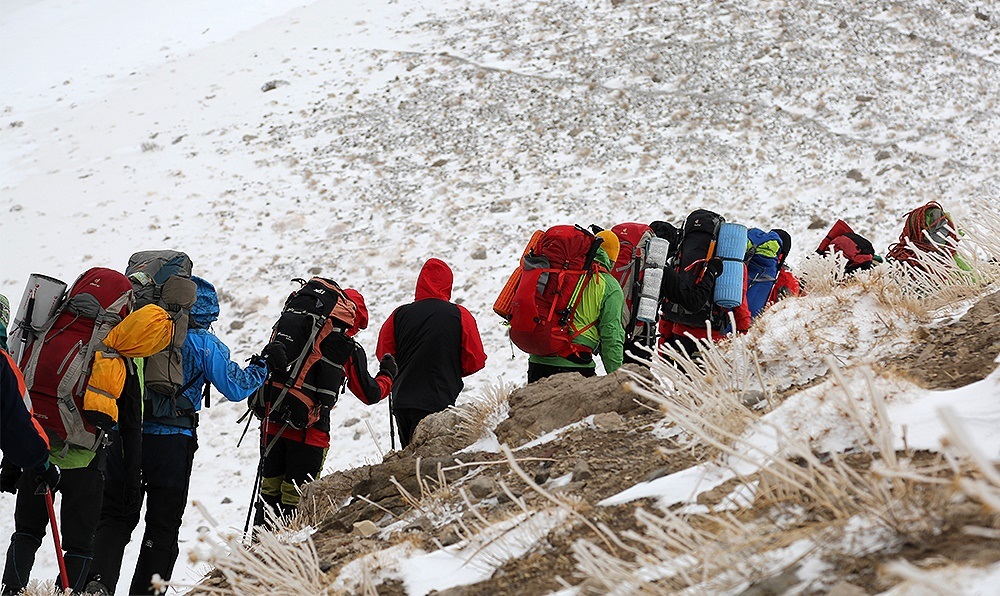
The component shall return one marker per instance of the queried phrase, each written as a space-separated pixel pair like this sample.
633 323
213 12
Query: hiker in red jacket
436 342
298 455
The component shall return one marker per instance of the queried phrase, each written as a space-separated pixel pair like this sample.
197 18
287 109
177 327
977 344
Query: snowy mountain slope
416 129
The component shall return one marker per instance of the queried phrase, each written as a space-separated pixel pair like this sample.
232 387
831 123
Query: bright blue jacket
205 356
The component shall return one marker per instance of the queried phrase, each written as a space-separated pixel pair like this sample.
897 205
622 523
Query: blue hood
206 306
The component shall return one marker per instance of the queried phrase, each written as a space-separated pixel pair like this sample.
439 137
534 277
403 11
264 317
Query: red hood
434 281
361 316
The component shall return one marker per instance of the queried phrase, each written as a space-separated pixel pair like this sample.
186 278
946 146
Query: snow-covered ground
392 132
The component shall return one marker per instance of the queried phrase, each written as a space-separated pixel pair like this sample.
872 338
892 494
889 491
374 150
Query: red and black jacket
435 342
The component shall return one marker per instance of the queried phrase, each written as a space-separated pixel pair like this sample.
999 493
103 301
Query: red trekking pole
63 575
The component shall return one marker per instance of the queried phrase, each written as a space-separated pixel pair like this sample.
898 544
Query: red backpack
628 269
927 229
545 299
57 361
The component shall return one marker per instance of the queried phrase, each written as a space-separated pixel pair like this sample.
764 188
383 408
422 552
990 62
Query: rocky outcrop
559 400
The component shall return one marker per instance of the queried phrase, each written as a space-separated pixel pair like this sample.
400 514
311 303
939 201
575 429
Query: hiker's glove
48 474
274 356
387 366
132 495
714 267
9 475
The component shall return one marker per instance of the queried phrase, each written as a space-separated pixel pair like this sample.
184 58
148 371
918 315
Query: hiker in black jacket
436 342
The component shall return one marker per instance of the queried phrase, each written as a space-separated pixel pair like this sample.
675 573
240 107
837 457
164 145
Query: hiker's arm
21 440
235 383
609 324
473 354
681 287
370 390
130 429
387 338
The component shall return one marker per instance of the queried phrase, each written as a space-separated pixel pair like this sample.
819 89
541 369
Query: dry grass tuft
480 417
281 562
704 396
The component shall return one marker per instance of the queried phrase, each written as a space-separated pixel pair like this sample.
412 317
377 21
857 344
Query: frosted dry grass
479 417
793 487
281 562
44 588
703 396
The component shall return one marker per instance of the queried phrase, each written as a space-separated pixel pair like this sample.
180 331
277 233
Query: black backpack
695 245
313 328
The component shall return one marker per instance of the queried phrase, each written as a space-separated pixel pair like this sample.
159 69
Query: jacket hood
361 314
435 280
603 259
206 306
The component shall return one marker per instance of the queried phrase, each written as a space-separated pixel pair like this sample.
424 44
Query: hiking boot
96 588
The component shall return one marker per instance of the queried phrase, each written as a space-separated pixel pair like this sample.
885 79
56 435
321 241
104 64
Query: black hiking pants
538 371
166 471
79 492
289 465
407 420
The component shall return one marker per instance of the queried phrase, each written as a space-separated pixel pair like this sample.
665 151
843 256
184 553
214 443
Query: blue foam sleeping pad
731 248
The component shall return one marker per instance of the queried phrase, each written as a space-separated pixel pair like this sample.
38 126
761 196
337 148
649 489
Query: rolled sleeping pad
732 247
656 252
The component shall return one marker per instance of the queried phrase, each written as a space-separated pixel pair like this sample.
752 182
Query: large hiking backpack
858 250
927 229
696 246
501 305
57 361
628 270
762 268
554 275
313 328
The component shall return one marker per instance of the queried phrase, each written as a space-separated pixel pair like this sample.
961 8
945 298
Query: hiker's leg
114 530
30 518
169 464
304 464
407 420
82 490
538 371
272 472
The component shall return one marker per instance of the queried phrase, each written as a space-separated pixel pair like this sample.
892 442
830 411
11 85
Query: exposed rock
555 401
581 471
610 422
365 528
481 487
436 436
350 422
817 223
479 254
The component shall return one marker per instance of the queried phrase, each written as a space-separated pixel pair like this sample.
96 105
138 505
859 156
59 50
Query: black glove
48 474
387 366
714 267
9 475
274 356
131 497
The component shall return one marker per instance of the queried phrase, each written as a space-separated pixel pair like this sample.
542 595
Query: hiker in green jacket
600 315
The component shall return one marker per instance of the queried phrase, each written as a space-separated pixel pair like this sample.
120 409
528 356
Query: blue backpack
765 250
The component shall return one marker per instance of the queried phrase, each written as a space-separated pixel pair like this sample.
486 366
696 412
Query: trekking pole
260 467
392 425
63 575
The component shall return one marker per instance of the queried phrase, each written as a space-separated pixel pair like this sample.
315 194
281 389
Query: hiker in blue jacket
169 440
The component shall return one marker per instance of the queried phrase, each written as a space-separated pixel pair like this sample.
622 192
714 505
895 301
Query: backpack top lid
699 230
786 245
205 310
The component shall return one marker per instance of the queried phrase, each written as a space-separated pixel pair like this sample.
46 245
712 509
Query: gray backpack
163 278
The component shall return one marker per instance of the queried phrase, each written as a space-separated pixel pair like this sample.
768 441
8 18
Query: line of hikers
105 378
